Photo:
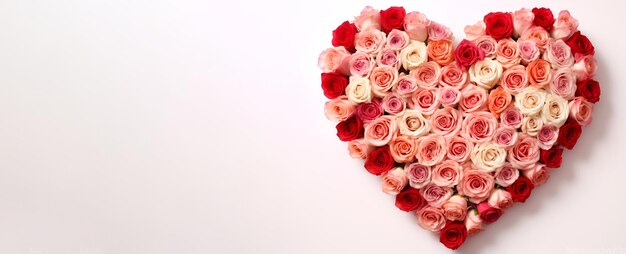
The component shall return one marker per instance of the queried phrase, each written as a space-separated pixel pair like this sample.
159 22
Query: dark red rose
589 89
580 44
453 234
370 111
552 158
499 25
392 18
410 199
487 213
569 134
350 129
543 18
379 161
334 85
520 189
467 53
344 36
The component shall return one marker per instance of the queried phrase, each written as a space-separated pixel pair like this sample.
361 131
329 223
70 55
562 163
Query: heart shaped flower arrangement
459 134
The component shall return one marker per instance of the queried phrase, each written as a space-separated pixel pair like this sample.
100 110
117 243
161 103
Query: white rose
359 90
412 123
530 101
555 111
531 125
488 157
413 55
485 73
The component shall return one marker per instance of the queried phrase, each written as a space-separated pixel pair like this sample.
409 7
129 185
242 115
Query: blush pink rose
416 26
431 218
563 83
508 53
476 184
382 79
427 75
488 45
538 174
580 110
369 18
431 149
335 59
505 136
406 86
511 117
473 99
528 51
540 36
394 181
419 175
388 57
522 20
514 79
473 223
564 26
459 149
500 199
547 136
479 127
339 109
394 104
397 40
448 173
403 149
474 31
452 75
455 208
506 175
437 32
361 64
446 122
449 96
359 148
426 101
381 131
436 195
559 54
525 153
585 68
369 41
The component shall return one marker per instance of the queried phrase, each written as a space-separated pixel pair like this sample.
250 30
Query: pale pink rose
397 40
416 25
452 75
538 174
500 199
564 26
431 149
361 64
479 127
580 110
418 174
335 59
394 181
369 41
436 195
448 173
406 85
525 153
427 75
522 20
431 218
508 53
394 104
381 130
505 136
506 175
403 149
474 31
359 148
473 99
426 101
455 208
437 32
511 117
547 136
540 36
339 109
473 223
459 149
383 78
369 18
559 54
449 96
563 83
514 79
446 121
388 57
528 51
488 45
476 184
585 68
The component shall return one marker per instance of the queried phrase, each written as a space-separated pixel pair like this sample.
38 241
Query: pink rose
487 44
506 175
540 36
382 79
361 64
522 20
474 31
547 136
367 112
397 40
437 32
511 117
369 18
505 136
479 127
381 131
500 199
538 174
388 57
528 51
419 175
508 53
449 96
339 109
446 122
559 54
431 218
452 75
514 79
394 181
431 149
427 75
563 83
416 25
585 68
474 99
406 86
436 195
369 41
335 59
580 110
473 223
426 101
525 153
565 26
447 174
394 104
403 149
476 184
455 208
459 149
359 148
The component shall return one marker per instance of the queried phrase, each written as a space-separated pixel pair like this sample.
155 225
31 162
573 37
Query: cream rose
531 125
413 55
488 156
485 73
530 101
555 111
412 123
359 90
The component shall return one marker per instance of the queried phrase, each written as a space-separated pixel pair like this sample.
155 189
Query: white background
197 127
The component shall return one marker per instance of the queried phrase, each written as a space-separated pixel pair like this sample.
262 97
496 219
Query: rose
369 41
479 127
350 129
344 35
543 18
406 85
427 75
580 45
525 153
522 20
563 84
555 111
559 54
339 109
437 32
472 32
359 90
500 199
531 100
569 134
585 68
487 213
446 122
476 184
410 199
333 85
403 149
388 57
447 174
588 88
394 181
425 101
538 174
440 51
381 130
552 157
488 45
580 110
382 79
485 73
467 53
418 174
436 195
458 149
547 136
361 64
506 175
394 104
540 36
488 156
508 53
499 25
379 161
514 79
521 189
473 223
369 17
449 96
564 26
531 125
416 25
431 149
397 40
392 18
511 117
455 208
453 234
505 136
528 51
539 73
367 112
412 123
413 55
431 218
473 99
498 101
452 75
359 149
335 60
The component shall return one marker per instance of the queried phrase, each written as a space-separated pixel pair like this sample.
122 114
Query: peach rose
488 45
476 184
528 51
416 25
449 96
540 36
455 208
531 100
436 195
431 218
559 54
397 40
412 123
406 85
508 53
511 117
369 18
335 59
394 181
431 149
452 75
555 111
485 73
419 175
525 153
580 110
539 73
437 32
339 109
394 104
441 51
473 223
498 101
522 20
425 101
388 57
459 149
505 136
488 156
413 55
531 125
382 79
361 64
359 90
381 130
514 79
473 99
448 173
500 199
359 149
427 75
506 175
446 121
538 174
474 31
403 149
563 84
547 136
585 68
479 127
564 26
369 41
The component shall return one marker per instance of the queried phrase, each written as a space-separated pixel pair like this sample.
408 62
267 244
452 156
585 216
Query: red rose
589 89
344 36
580 44
487 213
334 85
543 18
520 189
499 25
467 53
552 158
379 161
392 18
369 111
350 129
410 199
453 234
569 134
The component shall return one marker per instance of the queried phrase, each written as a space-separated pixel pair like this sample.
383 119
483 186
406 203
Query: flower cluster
459 133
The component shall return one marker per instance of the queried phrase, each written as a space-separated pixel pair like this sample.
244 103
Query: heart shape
459 134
